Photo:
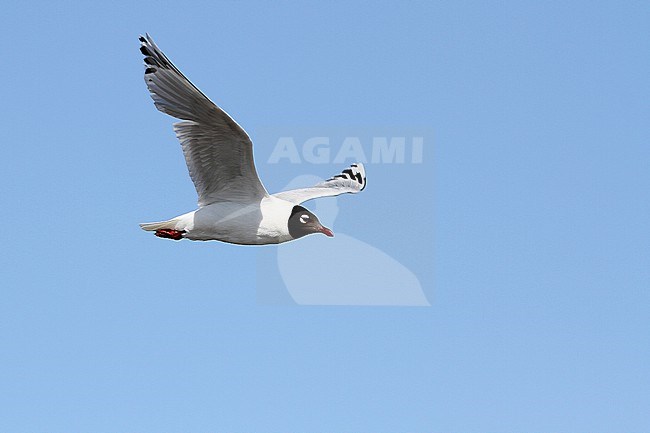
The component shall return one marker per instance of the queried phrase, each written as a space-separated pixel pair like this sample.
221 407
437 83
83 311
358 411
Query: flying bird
233 205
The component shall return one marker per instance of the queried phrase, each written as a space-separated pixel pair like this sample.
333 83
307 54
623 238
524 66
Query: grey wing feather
351 180
218 152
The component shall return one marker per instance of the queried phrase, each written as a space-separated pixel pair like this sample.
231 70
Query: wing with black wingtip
351 180
218 152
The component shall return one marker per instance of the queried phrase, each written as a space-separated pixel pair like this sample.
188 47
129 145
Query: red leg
176 235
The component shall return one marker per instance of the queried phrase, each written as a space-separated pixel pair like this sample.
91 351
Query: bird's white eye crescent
304 218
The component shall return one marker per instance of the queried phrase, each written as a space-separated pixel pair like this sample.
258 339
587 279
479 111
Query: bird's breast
275 218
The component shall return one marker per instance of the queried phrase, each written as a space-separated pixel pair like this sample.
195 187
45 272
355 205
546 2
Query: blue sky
526 222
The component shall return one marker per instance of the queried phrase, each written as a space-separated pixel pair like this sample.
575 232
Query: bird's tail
152 227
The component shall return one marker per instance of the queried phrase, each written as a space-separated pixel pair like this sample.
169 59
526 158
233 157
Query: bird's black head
302 223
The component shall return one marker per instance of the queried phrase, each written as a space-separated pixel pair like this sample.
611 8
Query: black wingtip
353 175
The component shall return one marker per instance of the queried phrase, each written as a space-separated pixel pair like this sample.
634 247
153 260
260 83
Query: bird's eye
304 218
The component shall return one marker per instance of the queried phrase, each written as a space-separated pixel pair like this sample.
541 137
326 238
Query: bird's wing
218 152
350 180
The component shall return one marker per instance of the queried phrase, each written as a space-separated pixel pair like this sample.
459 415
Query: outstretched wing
351 180
218 152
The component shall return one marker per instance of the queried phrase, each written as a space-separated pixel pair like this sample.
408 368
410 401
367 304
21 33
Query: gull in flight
233 204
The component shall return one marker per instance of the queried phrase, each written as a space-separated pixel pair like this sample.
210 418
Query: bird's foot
176 235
